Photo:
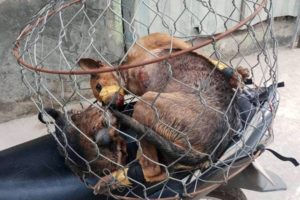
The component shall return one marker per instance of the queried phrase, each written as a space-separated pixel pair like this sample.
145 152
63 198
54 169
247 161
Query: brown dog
132 77
139 80
186 101
83 134
92 146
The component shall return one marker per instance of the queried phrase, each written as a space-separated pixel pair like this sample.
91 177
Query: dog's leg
239 76
112 181
121 151
148 160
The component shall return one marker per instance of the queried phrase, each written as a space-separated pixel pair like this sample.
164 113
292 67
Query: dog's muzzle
224 68
108 92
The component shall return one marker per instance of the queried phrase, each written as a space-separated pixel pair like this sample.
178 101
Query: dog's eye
98 87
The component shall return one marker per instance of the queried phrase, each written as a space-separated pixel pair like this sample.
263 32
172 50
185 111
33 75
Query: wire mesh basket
188 55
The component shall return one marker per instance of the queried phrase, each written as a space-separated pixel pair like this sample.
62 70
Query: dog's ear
88 64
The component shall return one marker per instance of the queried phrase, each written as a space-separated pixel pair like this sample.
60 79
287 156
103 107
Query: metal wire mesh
62 32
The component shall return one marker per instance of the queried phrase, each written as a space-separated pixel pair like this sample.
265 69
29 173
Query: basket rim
37 68
246 162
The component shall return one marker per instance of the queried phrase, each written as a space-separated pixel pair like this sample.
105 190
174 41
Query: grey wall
186 18
14 100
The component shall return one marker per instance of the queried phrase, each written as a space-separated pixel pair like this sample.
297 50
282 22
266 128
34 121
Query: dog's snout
112 95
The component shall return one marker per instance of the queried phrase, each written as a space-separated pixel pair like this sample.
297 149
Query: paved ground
286 127
286 130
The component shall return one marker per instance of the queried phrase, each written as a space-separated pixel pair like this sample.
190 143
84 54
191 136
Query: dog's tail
171 150
51 112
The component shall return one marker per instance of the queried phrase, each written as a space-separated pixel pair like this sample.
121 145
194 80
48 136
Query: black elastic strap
248 81
280 84
228 72
283 158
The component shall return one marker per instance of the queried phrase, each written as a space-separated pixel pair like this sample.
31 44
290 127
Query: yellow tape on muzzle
121 177
225 69
220 65
108 91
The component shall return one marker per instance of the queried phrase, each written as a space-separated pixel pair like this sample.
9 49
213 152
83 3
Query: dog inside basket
165 117
181 181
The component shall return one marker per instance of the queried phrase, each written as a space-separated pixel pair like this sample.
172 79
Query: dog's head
106 86
89 139
97 125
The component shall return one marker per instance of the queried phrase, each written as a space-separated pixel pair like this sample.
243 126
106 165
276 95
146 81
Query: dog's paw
105 184
239 76
244 72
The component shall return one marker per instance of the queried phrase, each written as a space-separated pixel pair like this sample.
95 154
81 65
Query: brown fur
85 143
151 42
195 115
91 121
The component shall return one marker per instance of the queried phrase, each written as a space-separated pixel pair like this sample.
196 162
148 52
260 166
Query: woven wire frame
62 32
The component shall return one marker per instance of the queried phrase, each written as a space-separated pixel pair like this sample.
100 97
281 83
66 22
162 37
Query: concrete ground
286 130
